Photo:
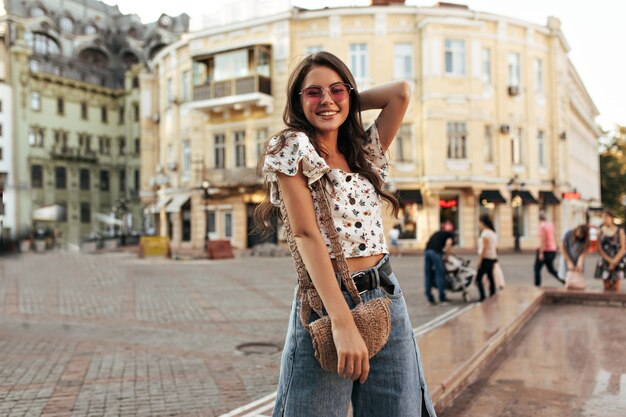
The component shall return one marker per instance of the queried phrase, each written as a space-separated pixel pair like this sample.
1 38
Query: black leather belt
373 278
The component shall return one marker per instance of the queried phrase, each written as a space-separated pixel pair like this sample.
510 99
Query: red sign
444 204
571 196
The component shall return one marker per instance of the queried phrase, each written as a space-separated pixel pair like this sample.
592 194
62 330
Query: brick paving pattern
112 335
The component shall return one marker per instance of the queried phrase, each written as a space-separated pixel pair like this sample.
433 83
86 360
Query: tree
613 171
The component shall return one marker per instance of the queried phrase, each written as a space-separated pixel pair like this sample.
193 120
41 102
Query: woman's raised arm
393 98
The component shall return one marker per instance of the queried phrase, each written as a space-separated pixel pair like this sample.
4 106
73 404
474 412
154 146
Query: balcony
251 89
66 153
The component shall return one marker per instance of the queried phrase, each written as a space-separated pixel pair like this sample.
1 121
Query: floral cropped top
356 208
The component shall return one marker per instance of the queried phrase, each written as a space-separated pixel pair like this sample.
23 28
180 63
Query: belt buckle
358 275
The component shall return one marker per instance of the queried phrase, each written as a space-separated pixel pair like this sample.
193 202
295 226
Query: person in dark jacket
438 247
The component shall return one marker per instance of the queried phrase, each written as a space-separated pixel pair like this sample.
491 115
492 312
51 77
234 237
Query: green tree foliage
613 171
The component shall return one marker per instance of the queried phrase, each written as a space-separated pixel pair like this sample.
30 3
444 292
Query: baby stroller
459 275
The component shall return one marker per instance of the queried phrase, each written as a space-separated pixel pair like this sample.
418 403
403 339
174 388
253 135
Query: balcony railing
73 154
234 87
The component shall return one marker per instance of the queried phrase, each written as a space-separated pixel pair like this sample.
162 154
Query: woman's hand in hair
352 354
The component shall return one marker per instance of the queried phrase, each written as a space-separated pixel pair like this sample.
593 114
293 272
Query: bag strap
309 295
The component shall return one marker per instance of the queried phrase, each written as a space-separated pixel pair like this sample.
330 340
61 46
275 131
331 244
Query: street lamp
205 198
515 184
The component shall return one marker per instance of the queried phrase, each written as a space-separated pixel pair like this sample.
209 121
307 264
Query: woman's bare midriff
361 263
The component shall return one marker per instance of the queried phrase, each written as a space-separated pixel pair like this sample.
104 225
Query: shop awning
491 196
156 207
51 213
176 203
108 219
410 196
548 197
526 196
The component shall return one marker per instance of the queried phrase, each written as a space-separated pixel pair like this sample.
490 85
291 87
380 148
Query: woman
574 248
487 255
325 141
612 247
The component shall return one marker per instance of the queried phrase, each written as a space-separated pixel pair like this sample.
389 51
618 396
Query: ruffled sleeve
374 151
297 149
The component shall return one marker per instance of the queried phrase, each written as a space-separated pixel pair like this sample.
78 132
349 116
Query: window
42 44
211 223
186 157
136 111
36 176
358 61
60 106
35 101
85 213
310 50
514 70
137 146
517 147
486 65
455 57
1 155
220 150
229 65
104 145
121 145
261 138
34 65
240 149
60 178
104 114
84 179
538 71
91 29
120 115
184 88
122 174
519 217
541 150
228 225
404 143
263 63
104 180
170 155
0 130
37 12
84 141
136 183
199 73
457 134
0 106
488 143
66 24
84 111
35 137
403 61
135 82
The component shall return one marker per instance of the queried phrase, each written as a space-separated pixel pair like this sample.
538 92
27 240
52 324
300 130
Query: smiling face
327 114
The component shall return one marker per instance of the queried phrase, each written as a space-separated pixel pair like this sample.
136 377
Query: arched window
129 59
37 12
42 44
91 29
94 56
66 24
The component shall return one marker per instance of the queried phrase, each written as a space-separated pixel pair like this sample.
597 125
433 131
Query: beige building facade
499 122
73 68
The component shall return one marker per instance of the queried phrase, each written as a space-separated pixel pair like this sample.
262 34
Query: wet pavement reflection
569 360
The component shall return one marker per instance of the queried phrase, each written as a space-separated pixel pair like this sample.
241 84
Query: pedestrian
324 140
487 255
394 236
611 248
546 253
574 246
438 247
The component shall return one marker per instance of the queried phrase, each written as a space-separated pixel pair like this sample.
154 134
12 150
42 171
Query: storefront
410 203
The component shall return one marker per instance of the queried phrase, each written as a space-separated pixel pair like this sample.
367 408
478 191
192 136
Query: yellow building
499 122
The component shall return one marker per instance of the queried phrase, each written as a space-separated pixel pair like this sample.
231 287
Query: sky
589 27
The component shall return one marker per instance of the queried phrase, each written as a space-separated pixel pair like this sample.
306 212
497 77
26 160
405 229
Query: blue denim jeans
395 386
433 275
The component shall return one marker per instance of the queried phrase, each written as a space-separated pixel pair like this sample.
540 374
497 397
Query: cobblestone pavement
112 335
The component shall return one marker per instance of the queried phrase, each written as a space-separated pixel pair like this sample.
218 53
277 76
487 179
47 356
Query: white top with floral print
356 208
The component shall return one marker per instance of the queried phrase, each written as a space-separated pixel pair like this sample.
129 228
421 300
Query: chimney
386 2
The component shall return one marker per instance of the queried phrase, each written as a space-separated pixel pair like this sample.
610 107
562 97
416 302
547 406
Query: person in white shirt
487 255
394 236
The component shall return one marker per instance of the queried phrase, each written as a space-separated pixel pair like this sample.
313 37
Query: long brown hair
351 138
